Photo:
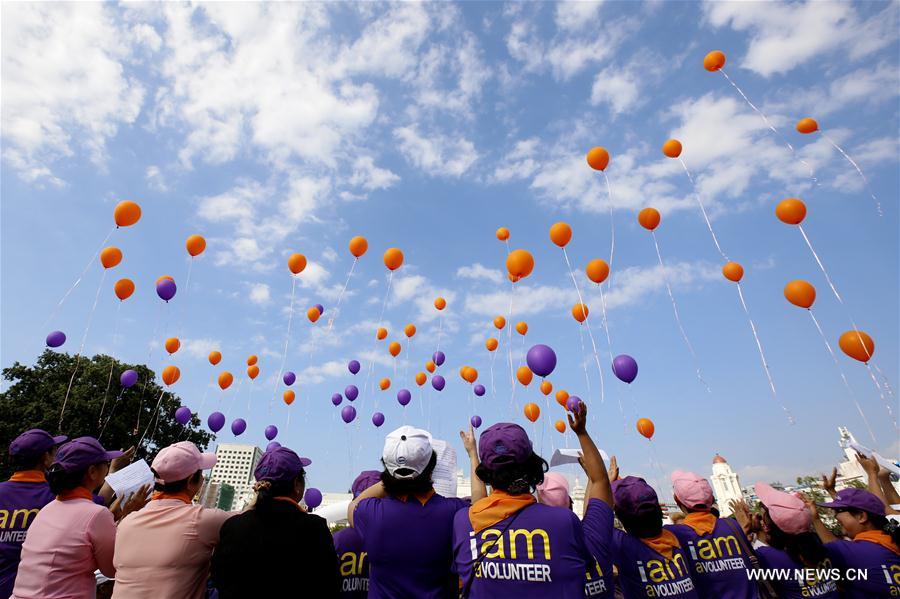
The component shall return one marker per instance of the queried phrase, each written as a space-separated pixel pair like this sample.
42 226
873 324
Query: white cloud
369 177
435 153
573 15
389 44
313 375
155 178
259 294
617 88
200 348
479 272
520 163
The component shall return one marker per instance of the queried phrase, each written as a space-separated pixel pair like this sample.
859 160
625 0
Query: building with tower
234 468
726 485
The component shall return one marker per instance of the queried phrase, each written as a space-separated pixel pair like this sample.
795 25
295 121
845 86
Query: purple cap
279 465
504 443
634 497
856 499
82 452
366 479
33 443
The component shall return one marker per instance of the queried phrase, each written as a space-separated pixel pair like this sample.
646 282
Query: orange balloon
430 366
410 330
296 263
649 218
560 426
491 344
519 263
170 375
807 125
126 213
358 246
172 344
580 312
215 357
672 148
598 158
858 345
393 259
470 374
513 278
252 359
713 61
385 384
381 333
524 375
225 380
733 272
560 234
313 314
532 411
800 293
645 427
110 257
597 270
421 378
253 371
546 387
163 278
502 233
791 211
522 327
289 397
394 348
124 288
440 303
562 396
195 245
499 322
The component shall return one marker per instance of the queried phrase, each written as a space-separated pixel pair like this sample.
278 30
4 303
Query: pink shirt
164 550
67 541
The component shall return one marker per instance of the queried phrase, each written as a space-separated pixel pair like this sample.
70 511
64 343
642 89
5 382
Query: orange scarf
497 506
422 497
664 544
181 496
28 476
703 523
76 493
879 538
289 500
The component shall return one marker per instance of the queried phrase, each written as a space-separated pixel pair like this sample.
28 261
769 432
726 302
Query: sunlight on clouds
436 153
479 272
259 294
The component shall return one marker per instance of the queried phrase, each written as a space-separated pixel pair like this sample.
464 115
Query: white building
726 485
234 466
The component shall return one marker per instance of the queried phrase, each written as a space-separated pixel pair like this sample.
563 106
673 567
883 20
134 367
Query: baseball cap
634 497
366 479
787 511
554 490
34 442
407 452
856 499
692 490
82 452
279 465
179 461
504 443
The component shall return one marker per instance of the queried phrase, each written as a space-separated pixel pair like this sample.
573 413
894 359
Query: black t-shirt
284 552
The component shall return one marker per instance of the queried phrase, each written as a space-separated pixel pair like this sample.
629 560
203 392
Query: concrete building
726 485
235 464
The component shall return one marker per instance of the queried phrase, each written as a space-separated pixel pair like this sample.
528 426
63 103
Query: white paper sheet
444 476
129 479
570 456
883 462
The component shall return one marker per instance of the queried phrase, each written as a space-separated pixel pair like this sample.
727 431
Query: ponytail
267 491
888 526
59 480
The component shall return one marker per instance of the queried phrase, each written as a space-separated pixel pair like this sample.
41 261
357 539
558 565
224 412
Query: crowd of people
62 529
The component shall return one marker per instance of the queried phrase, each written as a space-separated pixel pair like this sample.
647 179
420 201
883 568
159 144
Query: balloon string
149 422
703 210
858 170
843 378
684 336
762 357
187 290
234 399
337 307
493 388
112 364
612 226
583 360
111 412
884 400
87 328
78 280
884 381
609 348
440 330
654 460
371 368
199 410
137 424
250 397
590 332
512 375
287 339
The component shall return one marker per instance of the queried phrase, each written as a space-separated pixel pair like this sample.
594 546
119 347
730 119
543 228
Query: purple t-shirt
645 573
541 554
409 545
786 584
354 564
882 568
19 504
598 524
718 560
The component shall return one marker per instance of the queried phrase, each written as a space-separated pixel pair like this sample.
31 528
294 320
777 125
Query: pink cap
787 511
554 490
179 461
692 490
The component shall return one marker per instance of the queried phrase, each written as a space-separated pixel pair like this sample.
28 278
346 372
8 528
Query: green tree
35 398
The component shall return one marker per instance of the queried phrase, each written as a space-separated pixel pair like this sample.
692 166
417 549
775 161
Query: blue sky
273 129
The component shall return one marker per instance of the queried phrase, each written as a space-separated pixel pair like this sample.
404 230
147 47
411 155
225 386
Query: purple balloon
625 368
238 426
336 399
271 432
404 396
476 421
541 359
128 378
216 421
351 392
320 308
438 357
479 390
183 415
348 414
166 289
572 403
312 498
377 418
56 338
289 378
353 366
272 445
438 382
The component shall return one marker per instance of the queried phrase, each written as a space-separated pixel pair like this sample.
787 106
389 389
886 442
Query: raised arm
376 490
479 490
598 485
890 493
828 483
825 535
871 468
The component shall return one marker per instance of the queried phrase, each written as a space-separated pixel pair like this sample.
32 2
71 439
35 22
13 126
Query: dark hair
882 523
60 480
176 486
515 479
644 525
26 462
267 491
413 486
805 548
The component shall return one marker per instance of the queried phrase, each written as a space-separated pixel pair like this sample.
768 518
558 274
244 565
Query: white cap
407 452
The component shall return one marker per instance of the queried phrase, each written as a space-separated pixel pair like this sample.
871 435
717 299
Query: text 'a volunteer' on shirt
508 545
349 546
